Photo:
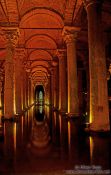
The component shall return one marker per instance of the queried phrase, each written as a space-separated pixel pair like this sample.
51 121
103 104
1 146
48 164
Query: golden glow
14 134
91 113
91 147
69 134
90 117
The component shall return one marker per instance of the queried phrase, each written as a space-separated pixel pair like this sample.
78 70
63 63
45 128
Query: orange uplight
69 134
91 147
14 135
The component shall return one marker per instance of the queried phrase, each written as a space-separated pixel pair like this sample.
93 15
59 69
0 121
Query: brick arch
40 17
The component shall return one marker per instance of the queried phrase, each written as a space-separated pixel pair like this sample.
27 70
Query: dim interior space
55 87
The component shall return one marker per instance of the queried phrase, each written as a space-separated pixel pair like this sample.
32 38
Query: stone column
29 93
47 92
11 36
52 86
0 94
70 35
24 89
56 83
18 81
61 53
99 112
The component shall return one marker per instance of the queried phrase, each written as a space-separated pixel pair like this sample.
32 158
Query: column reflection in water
53 127
63 136
69 138
0 117
1 126
14 136
40 136
91 148
99 151
9 139
47 109
22 127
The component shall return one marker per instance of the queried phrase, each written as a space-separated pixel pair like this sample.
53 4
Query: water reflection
14 136
37 143
40 135
91 148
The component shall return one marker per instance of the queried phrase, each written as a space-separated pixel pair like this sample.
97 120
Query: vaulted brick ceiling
40 24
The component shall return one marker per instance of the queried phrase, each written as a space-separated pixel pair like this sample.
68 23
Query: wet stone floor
43 142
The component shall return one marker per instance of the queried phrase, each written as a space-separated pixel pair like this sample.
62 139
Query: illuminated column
29 93
70 35
26 89
49 89
47 92
52 86
32 92
62 80
56 86
99 114
22 86
18 81
0 94
11 36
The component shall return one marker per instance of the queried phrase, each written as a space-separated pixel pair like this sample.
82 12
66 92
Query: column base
11 119
97 130
101 128
62 112
72 115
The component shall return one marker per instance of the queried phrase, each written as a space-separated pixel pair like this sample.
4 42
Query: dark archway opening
39 95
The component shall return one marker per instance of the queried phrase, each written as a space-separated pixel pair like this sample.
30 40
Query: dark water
44 142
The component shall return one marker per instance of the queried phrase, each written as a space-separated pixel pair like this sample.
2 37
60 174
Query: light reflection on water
65 149
91 148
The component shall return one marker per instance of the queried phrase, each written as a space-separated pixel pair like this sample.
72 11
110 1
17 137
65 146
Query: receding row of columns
18 93
67 75
65 79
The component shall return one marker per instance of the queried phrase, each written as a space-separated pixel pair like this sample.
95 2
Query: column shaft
9 85
11 36
99 114
18 84
62 81
70 34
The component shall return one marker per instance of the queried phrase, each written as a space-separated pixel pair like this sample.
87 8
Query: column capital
20 54
88 3
55 63
10 35
70 33
61 53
